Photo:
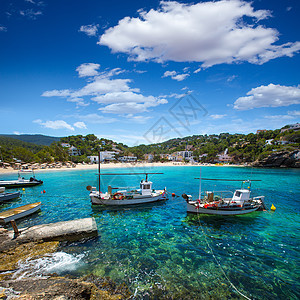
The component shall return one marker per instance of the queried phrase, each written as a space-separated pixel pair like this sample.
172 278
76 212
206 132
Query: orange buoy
173 195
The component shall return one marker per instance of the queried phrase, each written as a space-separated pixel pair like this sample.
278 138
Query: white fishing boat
216 203
144 194
19 212
4 196
21 181
128 197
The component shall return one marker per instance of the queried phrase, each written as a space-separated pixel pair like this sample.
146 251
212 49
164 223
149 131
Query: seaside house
260 130
297 155
104 156
294 127
94 159
202 155
149 157
107 155
128 158
224 158
65 145
166 156
269 142
73 151
182 155
283 142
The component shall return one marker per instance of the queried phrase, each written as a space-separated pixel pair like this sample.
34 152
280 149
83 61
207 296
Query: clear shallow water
158 250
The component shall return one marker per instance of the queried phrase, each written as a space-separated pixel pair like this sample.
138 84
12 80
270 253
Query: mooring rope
218 263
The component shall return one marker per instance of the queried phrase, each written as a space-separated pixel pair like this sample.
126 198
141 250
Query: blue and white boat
4 196
217 203
21 181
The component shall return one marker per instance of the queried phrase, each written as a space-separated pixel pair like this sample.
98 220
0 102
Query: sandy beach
116 165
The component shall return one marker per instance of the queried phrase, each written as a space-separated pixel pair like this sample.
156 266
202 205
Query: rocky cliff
284 159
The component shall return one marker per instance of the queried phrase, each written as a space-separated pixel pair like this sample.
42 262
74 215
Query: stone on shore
62 231
282 159
58 288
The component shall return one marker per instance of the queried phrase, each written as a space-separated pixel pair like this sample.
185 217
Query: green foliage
37 139
243 148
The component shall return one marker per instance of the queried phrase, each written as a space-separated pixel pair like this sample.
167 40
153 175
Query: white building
93 159
291 127
224 157
107 155
202 155
269 142
104 155
65 145
149 157
128 158
182 155
73 151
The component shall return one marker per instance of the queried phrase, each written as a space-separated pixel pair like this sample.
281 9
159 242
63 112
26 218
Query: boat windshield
26 174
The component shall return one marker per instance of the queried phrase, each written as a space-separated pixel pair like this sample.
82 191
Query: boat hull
9 196
95 199
16 184
191 208
19 212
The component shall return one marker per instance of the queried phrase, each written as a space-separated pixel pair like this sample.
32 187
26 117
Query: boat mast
200 187
99 171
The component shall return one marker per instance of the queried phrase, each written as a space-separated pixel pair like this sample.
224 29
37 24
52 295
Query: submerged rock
10 259
56 288
50 287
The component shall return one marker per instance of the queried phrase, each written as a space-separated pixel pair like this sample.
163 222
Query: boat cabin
241 196
146 187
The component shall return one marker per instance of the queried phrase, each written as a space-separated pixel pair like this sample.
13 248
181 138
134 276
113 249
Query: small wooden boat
239 204
19 212
21 181
8 196
143 195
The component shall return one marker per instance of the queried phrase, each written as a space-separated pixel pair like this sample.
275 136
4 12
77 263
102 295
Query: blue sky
145 71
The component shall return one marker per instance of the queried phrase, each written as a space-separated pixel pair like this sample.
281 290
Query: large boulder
285 159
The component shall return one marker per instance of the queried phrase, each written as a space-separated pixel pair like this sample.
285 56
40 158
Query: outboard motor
185 197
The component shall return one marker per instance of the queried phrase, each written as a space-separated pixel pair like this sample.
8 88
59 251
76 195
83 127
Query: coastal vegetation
241 148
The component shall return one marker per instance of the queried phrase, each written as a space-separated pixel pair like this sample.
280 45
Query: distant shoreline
117 165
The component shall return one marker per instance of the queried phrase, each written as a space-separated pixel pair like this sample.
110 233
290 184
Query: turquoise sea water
159 251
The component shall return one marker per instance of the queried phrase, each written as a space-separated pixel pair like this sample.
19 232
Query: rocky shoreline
17 284
283 159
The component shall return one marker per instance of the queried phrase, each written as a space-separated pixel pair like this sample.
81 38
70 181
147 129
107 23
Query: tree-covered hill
12 150
37 139
243 148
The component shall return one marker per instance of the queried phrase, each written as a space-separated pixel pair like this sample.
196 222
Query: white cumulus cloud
30 13
58 124
175 76
80 125
212 33
90 30
115 94
269 96
217 116
88 69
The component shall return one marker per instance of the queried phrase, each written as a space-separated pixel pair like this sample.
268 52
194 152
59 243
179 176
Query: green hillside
37 139
241 147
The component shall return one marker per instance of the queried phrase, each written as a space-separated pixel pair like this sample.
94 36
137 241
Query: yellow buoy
273 207
23 189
